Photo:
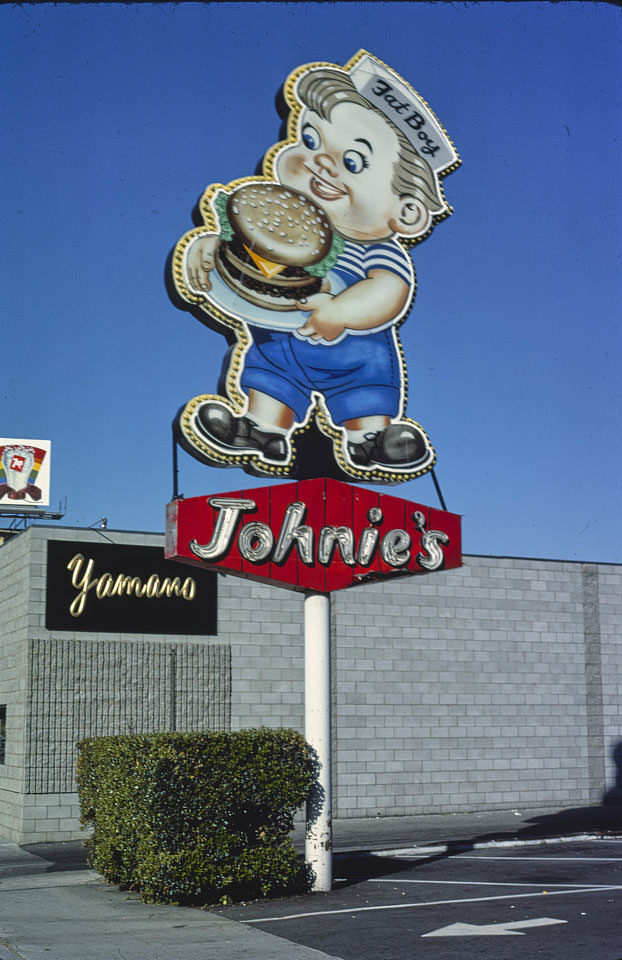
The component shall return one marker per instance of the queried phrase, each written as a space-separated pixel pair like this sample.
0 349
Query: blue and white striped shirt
357 260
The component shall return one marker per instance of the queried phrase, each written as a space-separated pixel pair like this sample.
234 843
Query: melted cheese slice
267 267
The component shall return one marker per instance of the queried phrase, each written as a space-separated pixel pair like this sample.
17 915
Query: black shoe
238 434
398 445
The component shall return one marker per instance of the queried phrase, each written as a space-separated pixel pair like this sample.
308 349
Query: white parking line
428 903
493 883
453 849
520 859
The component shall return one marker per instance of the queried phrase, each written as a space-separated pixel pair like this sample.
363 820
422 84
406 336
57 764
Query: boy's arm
365 305
199 259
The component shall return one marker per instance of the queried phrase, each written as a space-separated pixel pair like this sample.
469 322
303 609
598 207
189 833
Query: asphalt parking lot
546 901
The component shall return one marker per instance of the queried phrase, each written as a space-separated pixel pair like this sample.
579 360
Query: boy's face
345 165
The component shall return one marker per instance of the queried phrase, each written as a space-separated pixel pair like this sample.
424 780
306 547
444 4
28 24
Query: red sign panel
317 534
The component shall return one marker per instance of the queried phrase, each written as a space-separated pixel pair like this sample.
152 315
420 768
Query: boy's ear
413 217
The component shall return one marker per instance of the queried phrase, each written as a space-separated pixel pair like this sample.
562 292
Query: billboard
24 472
306 271
113 588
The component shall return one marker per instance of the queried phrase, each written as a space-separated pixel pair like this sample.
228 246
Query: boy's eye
310 137
354 161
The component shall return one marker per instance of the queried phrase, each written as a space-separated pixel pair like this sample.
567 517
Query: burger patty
238 250
293 283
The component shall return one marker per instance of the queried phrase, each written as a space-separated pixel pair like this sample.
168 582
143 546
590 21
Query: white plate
223 297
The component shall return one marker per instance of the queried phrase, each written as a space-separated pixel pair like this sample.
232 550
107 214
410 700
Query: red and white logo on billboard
24 471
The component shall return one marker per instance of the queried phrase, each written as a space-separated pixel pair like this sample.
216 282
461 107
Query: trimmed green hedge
196 817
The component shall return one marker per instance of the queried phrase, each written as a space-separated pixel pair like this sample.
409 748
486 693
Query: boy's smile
346 165
322 188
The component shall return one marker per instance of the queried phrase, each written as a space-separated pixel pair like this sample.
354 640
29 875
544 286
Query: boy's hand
200 257
325 320
365 305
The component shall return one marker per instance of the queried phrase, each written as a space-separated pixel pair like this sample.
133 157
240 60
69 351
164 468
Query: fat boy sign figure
307 272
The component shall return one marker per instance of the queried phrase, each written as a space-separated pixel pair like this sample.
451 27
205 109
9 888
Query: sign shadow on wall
614 795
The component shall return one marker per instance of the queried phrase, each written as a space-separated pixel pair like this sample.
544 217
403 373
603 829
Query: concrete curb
428 849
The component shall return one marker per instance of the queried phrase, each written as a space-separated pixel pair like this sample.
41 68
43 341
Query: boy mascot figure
356 183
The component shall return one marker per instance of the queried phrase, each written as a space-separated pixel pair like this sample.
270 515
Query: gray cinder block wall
61 686
494 686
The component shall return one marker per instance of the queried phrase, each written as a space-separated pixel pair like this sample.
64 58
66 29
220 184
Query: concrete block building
493 686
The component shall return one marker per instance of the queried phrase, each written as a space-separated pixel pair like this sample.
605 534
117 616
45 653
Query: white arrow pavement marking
512 929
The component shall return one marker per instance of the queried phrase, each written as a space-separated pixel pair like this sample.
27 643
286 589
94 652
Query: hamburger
272 235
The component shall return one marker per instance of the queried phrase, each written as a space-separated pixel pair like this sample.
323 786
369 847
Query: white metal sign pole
319 829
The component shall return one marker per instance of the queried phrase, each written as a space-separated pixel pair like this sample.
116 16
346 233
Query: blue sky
115 118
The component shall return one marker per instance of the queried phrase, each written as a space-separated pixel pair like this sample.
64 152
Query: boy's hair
321 90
